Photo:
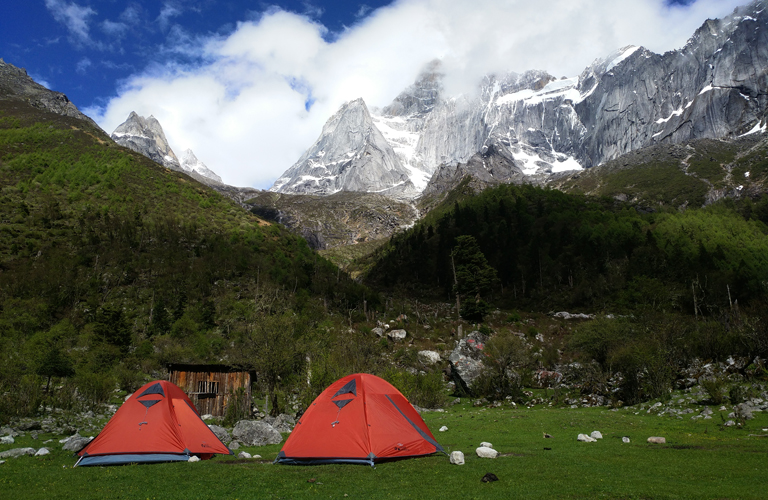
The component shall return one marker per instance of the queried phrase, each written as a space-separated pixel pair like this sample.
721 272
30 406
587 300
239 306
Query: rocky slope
533 125
189 163
340 219
16 85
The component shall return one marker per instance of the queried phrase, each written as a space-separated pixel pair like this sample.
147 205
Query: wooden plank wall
216 405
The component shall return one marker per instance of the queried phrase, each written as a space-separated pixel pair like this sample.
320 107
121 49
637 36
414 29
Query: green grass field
700 460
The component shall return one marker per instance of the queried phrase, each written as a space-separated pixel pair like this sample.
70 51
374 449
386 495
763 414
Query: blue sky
248 84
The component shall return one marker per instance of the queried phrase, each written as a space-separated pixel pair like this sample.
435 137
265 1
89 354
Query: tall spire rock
146 136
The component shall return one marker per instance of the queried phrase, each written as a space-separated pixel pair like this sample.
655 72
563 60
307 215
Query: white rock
256 456
486 444
207 416
244 454
42 451
625 439
657 440
586 439
443 429
596 435
6 440
486 452
429 357
193 458
457 457
397 334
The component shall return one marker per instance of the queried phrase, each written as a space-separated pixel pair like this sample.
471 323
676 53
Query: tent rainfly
158 423
359 419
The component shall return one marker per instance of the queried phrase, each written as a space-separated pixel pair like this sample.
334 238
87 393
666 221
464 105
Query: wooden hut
212 387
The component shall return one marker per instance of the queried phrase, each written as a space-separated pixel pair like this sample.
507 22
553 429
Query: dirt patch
685 447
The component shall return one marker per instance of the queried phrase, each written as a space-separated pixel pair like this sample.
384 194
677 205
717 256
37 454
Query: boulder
42 451
744 410
194 458
596 435
586 439
29 425
76 443
657 440
457 458
256 433
396 335
378 331
466 360
486 444
17 452
625 439
6 440
234 445
243 454
429 357
220 432
486 452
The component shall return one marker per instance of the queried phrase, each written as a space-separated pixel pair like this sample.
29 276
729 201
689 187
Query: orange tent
358 419
158 423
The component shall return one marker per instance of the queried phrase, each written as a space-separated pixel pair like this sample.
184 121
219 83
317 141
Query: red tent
358 419
158 423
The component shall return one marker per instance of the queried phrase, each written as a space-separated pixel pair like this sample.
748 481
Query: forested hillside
553 250
112 266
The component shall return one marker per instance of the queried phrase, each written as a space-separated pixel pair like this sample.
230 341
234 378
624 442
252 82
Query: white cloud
75 17
83 65
114 29
168 12
243 106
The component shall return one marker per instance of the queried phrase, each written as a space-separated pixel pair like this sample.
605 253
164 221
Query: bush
505 366
422 389
95 388
238 408
715 388
736 394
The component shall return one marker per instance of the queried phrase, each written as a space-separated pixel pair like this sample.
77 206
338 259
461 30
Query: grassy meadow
701 459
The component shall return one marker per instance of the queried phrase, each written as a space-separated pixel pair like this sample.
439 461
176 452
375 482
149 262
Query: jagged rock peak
146 136
351 154
420 97
190 163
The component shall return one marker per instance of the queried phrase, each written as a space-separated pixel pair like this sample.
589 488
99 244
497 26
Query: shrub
237 408
736 394
95 388
505 367
715 388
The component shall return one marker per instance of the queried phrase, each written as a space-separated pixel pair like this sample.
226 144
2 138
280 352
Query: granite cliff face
351 154
527 127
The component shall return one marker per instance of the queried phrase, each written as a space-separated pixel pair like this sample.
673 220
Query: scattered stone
207 416
729 423
396 335
2 462
284 423
457 458
311 480
76 443
443 429
256 456
586 439
657 440
220 432
744 411
42 451
429 357
489 478
596 435
234 445
567 315
256 433
378 331
244 454
6 440
625 439
17 452
194 458
486 452
486 444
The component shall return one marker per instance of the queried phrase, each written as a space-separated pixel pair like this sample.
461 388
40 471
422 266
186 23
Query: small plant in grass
715 389
736 394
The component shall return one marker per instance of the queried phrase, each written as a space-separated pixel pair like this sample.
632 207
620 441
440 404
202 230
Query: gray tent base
131 458
282 459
